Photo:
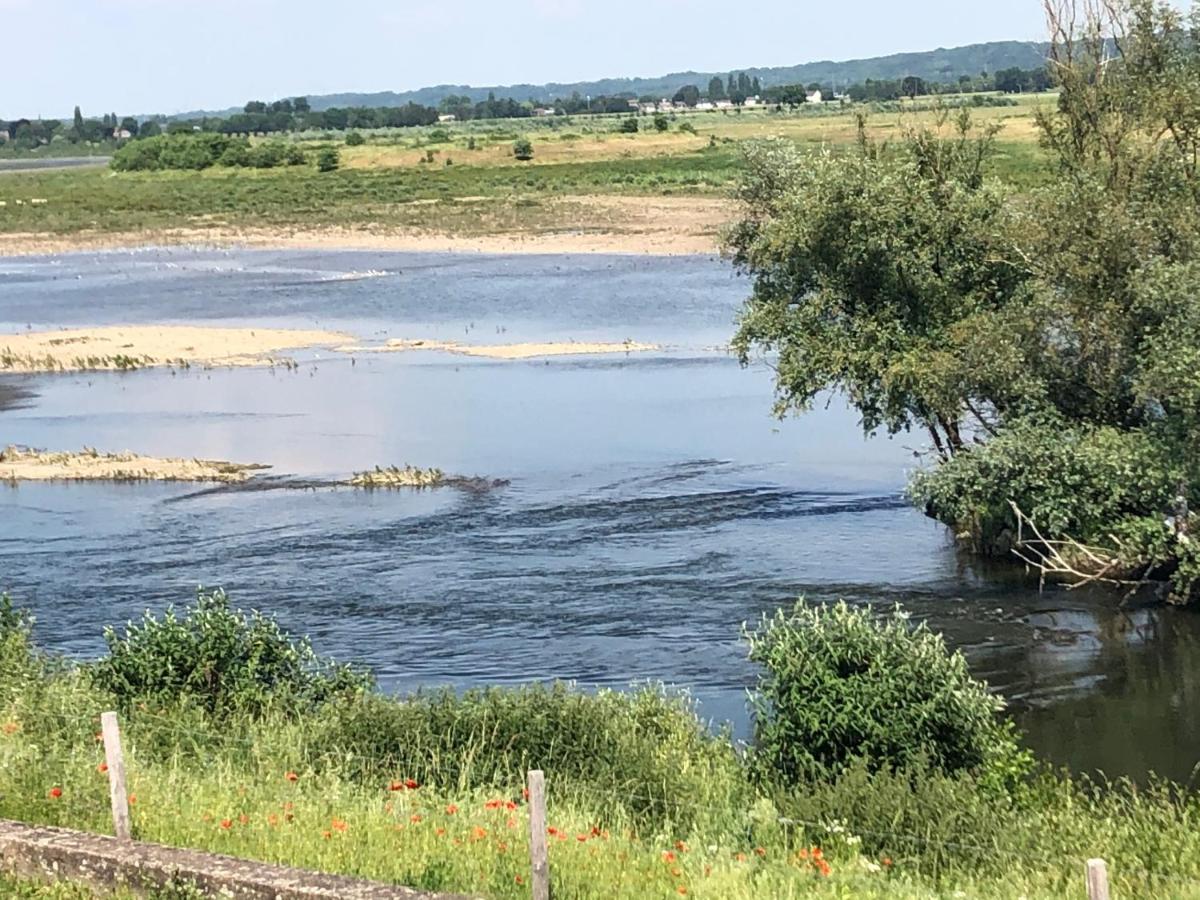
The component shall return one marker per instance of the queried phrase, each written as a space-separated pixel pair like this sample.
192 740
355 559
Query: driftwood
1071 562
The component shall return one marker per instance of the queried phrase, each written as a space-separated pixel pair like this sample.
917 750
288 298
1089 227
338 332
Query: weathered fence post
539 858
115 760
1097 879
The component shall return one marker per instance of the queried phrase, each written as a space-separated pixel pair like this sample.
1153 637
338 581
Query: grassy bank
313 768
462 180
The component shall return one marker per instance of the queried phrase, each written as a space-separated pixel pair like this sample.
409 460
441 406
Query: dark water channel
654 506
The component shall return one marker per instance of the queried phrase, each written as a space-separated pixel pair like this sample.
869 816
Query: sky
150 56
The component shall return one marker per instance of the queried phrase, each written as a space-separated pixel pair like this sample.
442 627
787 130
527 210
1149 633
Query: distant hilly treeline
1006 66
941 66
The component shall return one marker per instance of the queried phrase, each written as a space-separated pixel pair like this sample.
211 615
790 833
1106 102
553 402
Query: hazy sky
142 56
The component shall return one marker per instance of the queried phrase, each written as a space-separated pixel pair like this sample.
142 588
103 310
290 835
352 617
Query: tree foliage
1045 342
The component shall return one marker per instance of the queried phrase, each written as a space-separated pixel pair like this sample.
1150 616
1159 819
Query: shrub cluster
202 151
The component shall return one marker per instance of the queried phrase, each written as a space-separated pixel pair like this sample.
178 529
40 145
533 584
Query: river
653 504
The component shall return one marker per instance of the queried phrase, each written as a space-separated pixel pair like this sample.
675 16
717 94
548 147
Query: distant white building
705 106
754 101
122 134
648 108
723 104
448 117
815 97
543 111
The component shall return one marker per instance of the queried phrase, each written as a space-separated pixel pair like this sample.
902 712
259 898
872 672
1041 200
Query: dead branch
1069 561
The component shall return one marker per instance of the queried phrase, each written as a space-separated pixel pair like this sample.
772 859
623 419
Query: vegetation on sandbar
396 477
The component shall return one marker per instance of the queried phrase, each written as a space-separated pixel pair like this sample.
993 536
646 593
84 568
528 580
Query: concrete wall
104 863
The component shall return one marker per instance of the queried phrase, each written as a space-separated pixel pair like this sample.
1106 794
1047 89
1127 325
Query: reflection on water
653 506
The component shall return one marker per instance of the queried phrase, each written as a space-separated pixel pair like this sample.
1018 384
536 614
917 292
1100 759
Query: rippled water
653 504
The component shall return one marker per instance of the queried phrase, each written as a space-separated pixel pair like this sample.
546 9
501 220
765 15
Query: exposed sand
654 226
17 464
507 351
136 346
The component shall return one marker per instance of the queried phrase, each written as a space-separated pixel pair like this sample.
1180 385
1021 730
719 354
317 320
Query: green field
462 180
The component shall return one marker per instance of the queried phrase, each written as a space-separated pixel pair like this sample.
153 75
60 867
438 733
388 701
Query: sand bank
637 225
507 351
138 346
19 464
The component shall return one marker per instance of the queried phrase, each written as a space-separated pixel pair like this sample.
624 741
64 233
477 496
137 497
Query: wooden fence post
539 858
1097 879
115 760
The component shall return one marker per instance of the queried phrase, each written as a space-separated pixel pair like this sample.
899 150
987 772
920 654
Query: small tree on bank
523 149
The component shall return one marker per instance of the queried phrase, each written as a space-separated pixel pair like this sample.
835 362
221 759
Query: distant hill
941 65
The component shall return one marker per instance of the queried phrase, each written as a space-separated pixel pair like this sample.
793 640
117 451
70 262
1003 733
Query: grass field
462 180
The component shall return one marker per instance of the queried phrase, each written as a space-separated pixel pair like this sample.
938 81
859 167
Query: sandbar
137 346
21 464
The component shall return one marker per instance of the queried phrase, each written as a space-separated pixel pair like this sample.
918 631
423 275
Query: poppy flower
451 809
102 768
441 832
272 820
416 817
582 837
492 804
133 799
338 824
552 831
681 846
226 824
510 806
668 856
676 872
478 833
11 727
411 784
520 880
326 834
760 851
681 889
741 857
511 823
244 819
887 861
55 793
291 776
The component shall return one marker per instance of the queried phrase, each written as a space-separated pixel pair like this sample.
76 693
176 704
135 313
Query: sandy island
19 464
138 346
617 224
508 351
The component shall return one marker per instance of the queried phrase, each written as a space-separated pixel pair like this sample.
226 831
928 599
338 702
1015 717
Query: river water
653 504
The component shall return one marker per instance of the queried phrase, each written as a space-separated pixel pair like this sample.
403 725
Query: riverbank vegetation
242 740
1045 342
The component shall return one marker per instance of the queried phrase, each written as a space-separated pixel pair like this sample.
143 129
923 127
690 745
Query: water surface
653 507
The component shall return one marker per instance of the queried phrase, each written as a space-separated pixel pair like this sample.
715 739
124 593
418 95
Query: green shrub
687 127
438 136
628 126
645 750
219 659
355 139
328 159
523 149
171 151
661 123
1076 480
840 687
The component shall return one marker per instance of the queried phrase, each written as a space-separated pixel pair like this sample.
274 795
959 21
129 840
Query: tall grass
644 799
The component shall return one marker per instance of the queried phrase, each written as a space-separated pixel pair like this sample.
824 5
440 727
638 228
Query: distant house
723 104
815 97
122 134
448 117
4 135
705 106
543 111
753 101
648 108
633 104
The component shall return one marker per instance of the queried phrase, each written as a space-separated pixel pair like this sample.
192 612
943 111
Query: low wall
104 864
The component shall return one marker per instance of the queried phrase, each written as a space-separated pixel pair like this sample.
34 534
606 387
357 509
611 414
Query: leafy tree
328 159
912 86
688 94
629 125
355 139
523 149
130 124
661 123
1047 345
716 88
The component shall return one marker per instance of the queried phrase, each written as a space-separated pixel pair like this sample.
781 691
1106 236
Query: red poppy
760 851
326 834
55 793
132 799
681 846
416 817
668 856
887 861
440 832
338 824
511 823
226 824
493 804
244 819
582 837
411 784
291 776
451 809
510 806
520 880
102 768
478 833
681 889
11 727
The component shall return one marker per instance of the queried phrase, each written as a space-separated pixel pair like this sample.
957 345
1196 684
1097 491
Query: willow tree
1046 340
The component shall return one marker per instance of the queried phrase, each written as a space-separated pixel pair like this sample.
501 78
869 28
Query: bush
219 659
687 127
355 139
629 126
328 159
523 149
646 749
1075 480
841 688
